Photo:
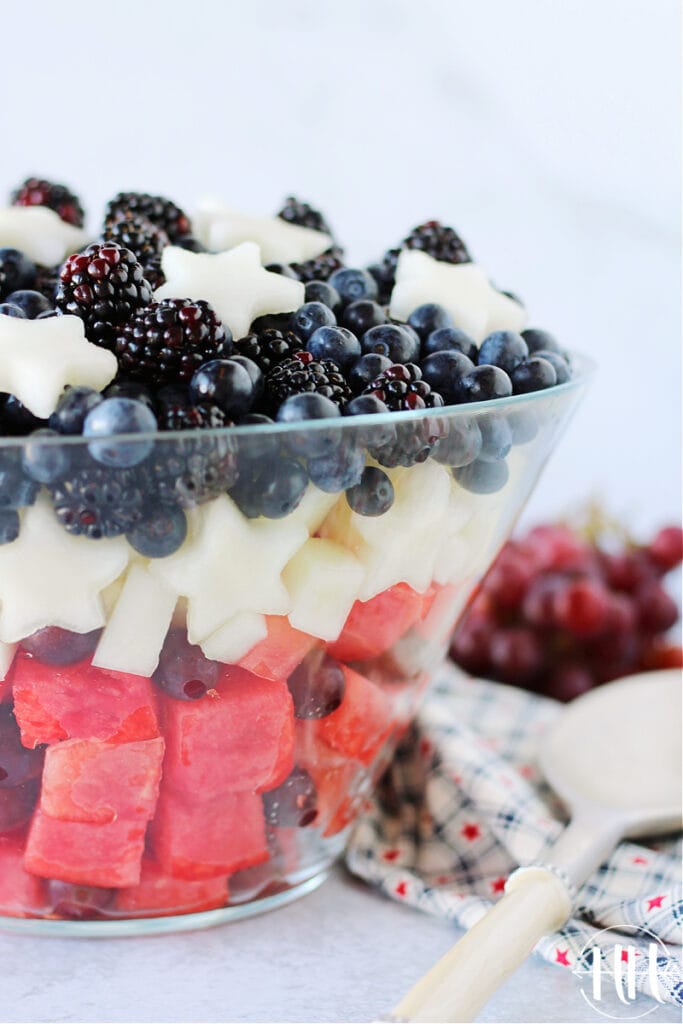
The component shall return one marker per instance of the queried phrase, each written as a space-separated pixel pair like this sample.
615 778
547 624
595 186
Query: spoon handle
536 902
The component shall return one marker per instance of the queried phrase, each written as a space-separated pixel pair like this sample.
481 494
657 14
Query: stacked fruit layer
210 637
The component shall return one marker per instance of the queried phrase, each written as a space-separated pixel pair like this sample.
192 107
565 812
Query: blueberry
309 317
281 487
15 419
184 672
275 321
9 525
31 303
483 477
341 469
294 803
382 433
366 369
161 534
537 339
505 349
17 270
16 490
56 646
534 374
283 269
322 291
428 318
130 389
496 438
392 340
462 443
255 375
43 461
373 495
223 382
450 339
558 362
336 343
360 316
444 371
72 408
484 383
120 416
8 309
302 409
317 685
18 764
353 284
523 425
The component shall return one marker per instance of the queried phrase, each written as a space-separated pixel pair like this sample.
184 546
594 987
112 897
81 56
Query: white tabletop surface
342 953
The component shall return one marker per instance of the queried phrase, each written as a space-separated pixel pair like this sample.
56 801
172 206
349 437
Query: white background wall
546 131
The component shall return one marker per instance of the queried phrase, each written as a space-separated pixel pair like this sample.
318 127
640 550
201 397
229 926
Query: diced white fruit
313 508
323 580
219 228
50 578
6 656
133 637
234 282
235 638
462 288
457 556
231 564
40 233
401 545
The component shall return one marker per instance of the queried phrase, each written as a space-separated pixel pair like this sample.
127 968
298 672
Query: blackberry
322 267
166 342
401 387
163 213
97 501
297 212
174 412
104 285
303 374
269 347
38 192
411 442
432 237
144 239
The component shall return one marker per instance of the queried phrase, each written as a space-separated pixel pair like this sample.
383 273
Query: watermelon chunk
362 722
195 839
86 853
90 780
374 626
61 702
159 894
238 737
276 656
21 894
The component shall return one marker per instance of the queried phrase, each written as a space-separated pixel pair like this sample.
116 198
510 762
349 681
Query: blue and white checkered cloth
462 805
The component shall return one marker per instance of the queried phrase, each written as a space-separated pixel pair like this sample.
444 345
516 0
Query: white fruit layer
218 228
39 233
135 633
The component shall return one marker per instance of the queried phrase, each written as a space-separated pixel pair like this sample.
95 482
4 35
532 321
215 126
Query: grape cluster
559 614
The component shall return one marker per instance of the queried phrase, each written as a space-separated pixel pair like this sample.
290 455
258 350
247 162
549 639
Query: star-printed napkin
463 804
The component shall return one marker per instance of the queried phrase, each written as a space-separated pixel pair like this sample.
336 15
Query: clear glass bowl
194 704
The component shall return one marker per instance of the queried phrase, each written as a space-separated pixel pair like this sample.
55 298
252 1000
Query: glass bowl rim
583 367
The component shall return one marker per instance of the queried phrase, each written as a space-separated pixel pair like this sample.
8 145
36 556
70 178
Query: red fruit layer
374 626
85 853
21 894
361 723
160 895
280 652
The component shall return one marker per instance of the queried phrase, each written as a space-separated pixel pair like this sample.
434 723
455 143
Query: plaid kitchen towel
462 805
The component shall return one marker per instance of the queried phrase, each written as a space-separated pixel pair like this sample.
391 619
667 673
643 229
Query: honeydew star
219 227
233 282
38 358
461 288
50 578
39 233
231 564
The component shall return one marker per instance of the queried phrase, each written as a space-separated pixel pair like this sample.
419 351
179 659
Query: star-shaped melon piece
38 358
233 282
39 233
50 578
219 227
461 288
231 564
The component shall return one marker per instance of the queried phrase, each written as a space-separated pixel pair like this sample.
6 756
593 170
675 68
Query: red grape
666 550
517 654
569 681
582 607
657 610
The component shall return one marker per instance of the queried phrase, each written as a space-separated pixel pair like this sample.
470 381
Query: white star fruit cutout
39 233
50 578
219 227
38 358
229 565
462 288
233 282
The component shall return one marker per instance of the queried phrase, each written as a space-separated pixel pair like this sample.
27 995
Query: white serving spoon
614 757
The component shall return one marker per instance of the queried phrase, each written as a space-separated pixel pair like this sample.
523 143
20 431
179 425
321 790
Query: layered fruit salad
246 489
